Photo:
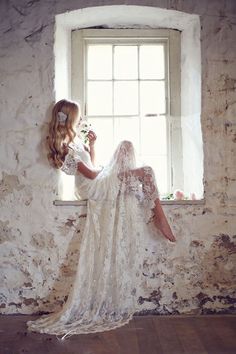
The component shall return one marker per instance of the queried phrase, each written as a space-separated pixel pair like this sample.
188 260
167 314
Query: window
185 145
128 84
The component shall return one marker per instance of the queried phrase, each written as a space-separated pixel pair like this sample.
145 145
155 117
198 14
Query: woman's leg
161 222
147 177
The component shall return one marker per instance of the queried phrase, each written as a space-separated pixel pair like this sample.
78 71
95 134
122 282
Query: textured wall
40 242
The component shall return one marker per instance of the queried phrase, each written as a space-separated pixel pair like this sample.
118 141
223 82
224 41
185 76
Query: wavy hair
60 131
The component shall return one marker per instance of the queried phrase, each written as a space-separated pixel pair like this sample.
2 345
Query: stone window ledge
163 202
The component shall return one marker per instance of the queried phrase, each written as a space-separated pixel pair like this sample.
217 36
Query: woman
122 200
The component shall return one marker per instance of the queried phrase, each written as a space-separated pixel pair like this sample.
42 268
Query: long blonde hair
59 131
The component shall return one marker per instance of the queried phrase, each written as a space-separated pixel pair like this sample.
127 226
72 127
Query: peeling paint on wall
8 184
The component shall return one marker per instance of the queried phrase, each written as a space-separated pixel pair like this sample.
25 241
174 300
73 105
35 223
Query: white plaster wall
40 242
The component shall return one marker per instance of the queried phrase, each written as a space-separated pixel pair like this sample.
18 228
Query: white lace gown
103 295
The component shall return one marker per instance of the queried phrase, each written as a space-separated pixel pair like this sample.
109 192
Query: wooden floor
210 334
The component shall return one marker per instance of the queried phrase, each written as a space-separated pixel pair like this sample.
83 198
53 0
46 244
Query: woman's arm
92 153
92 138
86 171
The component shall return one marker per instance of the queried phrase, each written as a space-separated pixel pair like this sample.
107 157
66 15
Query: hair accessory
61 117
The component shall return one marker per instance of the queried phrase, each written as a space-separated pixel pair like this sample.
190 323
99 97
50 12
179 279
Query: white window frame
172 41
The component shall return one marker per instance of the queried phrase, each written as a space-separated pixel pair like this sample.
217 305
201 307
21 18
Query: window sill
163 202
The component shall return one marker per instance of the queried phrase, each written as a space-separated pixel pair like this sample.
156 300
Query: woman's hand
91 137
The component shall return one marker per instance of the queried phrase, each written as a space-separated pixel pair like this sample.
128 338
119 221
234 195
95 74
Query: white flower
84 130
61 117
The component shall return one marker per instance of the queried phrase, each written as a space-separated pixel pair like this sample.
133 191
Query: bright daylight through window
128 85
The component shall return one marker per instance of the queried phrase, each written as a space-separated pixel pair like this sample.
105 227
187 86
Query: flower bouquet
84 129
179 195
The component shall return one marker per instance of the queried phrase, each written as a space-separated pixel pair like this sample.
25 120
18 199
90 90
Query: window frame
172 40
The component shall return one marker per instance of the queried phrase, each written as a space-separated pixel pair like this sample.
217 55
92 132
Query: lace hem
147 206
142 182
83 329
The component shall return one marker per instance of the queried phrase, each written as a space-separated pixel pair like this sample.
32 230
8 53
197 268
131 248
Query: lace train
103 294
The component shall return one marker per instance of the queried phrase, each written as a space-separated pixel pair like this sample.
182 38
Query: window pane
103 128
127 128
126 62
153 135
126 98
99 98
152 97
159 165
152 64
99 63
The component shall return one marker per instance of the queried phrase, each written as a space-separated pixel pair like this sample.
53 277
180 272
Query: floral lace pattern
70 164
120 202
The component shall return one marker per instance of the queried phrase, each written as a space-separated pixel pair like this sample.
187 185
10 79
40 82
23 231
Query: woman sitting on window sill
122 199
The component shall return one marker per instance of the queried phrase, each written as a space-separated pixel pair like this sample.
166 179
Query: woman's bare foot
165 229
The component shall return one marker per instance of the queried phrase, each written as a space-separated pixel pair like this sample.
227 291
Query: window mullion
139 105
86 79
113 119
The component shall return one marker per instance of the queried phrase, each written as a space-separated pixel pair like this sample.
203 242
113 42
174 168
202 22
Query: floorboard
205 334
